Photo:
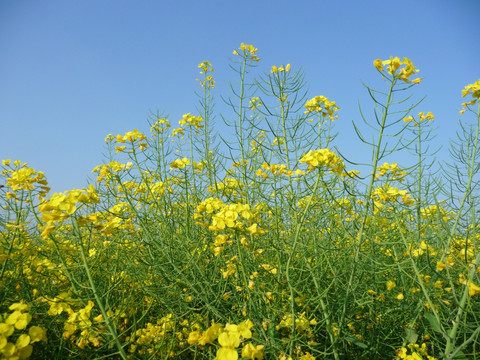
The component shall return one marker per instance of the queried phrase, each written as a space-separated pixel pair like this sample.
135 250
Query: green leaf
411 335
433 322
357 342
460 356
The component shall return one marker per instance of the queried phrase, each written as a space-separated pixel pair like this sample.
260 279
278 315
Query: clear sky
72 72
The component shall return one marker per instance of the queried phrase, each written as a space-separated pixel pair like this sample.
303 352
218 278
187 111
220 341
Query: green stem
98 299
292 254
361 231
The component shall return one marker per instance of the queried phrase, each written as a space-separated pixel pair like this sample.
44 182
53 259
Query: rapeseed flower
323 106
474 91
248 51
228 341
422 117
253 352
278 69
390 285
191 120
473 289
206 67
323 157
395 69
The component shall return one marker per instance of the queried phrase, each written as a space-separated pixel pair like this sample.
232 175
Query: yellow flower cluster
106 171
206 68
422 117
153 336
422 249
414 352
254 103
474 90
229 338
61 205
179 163
276 70
209 206
226 216
323 106
191 120
160 126
79 325
21 177
277 169
387 193
247 51
129 137
302 324
393 172
323 157
394 68
178 131
18 319
229 186
473 289
435 211
278 141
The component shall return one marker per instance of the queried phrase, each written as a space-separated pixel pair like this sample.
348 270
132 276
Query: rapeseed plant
178 250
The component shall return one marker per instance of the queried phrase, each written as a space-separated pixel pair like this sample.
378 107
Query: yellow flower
225 353
247 51
18 319
473 289
390 285
307 356
191 120
323 106
323 157
210 334
37 333
253 352
6 329
3 342
22 341
8 351
474 90
193 337
394 68
228 341
429 117
378 64
254 103
278 69
440 266
21 306
254 229
244 329
179 163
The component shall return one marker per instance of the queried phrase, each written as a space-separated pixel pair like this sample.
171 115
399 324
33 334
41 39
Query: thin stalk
451 337
292 254
98 299
367 200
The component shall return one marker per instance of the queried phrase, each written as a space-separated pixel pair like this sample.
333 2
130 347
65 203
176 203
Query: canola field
272 246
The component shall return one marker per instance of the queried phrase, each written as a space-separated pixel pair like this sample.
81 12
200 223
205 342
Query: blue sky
74 71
